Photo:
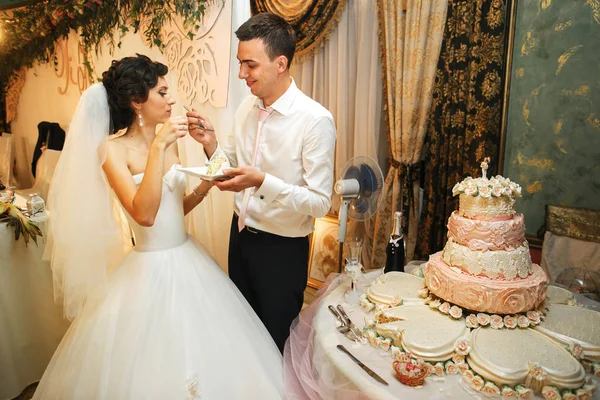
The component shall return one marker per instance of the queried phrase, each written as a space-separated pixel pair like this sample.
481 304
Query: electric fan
359 187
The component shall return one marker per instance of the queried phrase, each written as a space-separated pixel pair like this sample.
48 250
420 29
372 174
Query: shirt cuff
217 151
270 189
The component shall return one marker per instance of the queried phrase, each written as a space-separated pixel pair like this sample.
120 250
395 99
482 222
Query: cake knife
368 370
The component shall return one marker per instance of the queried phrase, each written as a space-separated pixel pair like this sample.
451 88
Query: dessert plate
200 172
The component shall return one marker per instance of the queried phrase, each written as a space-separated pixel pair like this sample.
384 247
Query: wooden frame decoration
324 250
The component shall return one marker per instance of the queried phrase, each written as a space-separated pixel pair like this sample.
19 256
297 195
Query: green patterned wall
553 127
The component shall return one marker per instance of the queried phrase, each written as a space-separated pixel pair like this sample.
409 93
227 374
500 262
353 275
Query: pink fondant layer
484 294
484 235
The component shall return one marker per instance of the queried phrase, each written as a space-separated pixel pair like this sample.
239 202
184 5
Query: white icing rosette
471 321
455 312
490 388
534 317
365 303
477 383
576 350
509 393
445 307
386 343
524 392
497 190
523 321
471 189
551 393
468 376
462 346
396 351
496 322
510 321
483 319
451 368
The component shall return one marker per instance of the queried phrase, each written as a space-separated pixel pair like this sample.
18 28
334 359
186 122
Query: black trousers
271 272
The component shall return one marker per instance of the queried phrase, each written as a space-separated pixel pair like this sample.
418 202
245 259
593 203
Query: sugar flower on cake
471 321
458 358
510 321
438 369
386 343
496 322
435 303
583 394
490 388
523 321
396 301
468 376
365 303
445 307
534 317
423 293
568 395
497 190
483 319
462 346
596 369
485 191
477 383
576 350
509 393
396 351
537 372
524 392
551 393
451 368
455 312
463 367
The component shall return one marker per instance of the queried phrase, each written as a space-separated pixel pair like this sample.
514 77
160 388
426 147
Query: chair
45 166
51 135
571 248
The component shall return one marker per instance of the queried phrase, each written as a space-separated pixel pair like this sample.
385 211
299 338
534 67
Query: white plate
201 173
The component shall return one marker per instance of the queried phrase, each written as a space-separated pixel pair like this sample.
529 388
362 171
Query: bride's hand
175 128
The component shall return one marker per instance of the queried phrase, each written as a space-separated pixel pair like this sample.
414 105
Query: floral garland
29 33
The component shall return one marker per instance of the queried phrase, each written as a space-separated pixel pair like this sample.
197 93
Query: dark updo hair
129 79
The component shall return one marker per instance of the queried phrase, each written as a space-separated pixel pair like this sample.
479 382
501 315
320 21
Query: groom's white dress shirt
296 152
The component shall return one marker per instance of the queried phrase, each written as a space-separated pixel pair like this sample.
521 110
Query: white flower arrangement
495 187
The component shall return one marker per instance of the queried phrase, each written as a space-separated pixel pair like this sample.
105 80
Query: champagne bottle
395 247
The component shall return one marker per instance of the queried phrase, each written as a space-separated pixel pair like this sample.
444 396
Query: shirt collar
283 104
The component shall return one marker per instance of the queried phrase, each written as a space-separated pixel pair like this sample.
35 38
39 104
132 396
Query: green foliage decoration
29 34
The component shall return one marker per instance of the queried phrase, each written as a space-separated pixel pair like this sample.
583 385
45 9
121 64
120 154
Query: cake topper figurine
484 167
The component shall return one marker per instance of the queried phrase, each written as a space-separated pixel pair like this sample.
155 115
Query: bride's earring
140 120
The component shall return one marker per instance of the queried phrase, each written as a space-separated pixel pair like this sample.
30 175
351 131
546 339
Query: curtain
410 42
345 77
313 20
464 125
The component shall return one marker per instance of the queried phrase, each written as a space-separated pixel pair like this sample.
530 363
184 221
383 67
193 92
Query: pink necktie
262 116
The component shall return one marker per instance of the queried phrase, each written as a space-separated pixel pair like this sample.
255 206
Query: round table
325 338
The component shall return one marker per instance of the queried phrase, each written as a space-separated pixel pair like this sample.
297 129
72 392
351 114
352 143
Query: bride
162 321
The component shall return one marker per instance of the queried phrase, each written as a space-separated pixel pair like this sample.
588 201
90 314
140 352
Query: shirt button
262 197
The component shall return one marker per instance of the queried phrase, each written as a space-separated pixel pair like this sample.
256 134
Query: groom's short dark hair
277 35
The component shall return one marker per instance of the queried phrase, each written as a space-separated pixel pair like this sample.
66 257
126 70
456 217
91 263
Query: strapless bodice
168 230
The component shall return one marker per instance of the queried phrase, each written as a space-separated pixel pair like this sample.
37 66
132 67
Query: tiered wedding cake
476 303
485 265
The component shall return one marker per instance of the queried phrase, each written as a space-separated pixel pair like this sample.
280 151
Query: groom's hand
202 130
242 178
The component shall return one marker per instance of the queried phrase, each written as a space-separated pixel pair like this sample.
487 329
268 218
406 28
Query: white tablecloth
31 324
326 338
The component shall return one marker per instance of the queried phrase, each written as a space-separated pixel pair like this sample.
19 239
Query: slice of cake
217 164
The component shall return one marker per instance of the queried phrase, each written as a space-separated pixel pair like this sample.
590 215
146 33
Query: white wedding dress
172 326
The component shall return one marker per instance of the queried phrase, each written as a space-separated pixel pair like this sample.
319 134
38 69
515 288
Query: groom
281 149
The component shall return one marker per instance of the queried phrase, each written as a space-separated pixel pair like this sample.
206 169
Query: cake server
349 322
368 370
